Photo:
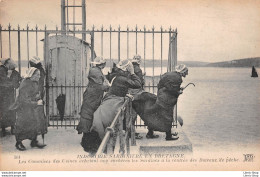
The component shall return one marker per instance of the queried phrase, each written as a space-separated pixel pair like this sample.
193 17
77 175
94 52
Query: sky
208 30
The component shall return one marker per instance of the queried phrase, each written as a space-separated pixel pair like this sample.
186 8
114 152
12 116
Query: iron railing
158 49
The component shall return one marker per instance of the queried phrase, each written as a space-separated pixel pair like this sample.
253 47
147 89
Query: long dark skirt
91 142
91 100
30 122
156 117
7 117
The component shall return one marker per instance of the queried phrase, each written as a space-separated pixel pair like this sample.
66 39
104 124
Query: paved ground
67 141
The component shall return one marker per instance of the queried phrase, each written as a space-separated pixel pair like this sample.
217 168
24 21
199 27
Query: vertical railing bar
74 29
28 55
67 15
81 75
153 58
83 19
46 58
19 50
144 48
119 43
127 42
102 31
92 43
52 99
1 46
57 65
169 54
175 59
36 33
136 40
110 47
10 48
161 49
66 56
74 91
176 34
57 118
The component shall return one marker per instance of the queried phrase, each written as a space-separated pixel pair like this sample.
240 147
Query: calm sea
223 111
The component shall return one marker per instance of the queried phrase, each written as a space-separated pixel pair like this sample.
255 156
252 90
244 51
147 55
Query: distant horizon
208 31
177 60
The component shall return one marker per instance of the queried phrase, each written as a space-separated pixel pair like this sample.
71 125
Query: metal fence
158 49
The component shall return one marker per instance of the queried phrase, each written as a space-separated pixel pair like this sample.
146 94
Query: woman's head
33 74
8 63
99 62
35 62
123 65
137 59
182 69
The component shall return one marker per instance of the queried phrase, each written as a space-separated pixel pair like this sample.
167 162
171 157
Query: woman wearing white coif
29 121
124 79
92 96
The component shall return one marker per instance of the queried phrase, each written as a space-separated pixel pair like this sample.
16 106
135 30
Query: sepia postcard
111 85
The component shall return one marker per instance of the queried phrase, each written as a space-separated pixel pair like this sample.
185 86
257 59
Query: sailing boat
254 73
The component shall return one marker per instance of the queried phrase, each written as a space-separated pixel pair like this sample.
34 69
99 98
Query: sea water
222 111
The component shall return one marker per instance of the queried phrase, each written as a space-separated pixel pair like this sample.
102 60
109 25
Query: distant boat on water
254 73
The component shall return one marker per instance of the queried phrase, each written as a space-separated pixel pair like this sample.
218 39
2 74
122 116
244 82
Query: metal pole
169 68
46 58
136 40
67 15
74 28
92 43
28 55
153 58
1 41
19 50
63 16
127 42
9 32
102 31
36 33
176 34
119 43
161 49
84 19
144 47
110 50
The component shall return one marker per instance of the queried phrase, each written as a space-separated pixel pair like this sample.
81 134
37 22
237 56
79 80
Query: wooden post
127 131
121 136
110 149
133 141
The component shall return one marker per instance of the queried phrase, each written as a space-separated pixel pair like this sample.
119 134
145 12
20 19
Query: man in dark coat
9 80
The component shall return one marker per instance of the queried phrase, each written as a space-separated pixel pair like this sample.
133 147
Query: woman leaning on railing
111 104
